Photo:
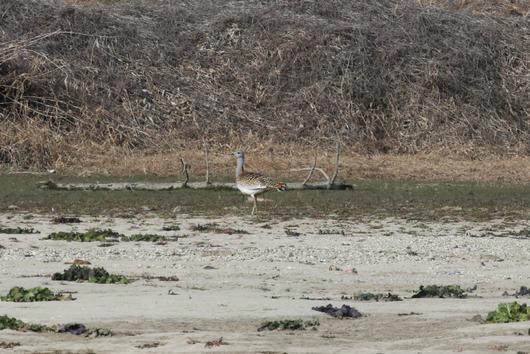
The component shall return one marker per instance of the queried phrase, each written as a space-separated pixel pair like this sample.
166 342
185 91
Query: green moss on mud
171 228
108 235
215 228
14 324
20 294
17 230
441 291
376 297
509 312
88 236
288 325
92 275
145 238
374 198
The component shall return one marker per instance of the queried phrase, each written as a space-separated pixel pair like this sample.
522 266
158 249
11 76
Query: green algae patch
171 228
91 275
441 291
17 230
288 325
377 297
509 312
145 238
19 294
14 324
215 228
89 236
96 235
81 329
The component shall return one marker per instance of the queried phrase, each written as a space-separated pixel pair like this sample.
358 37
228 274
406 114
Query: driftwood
330 182
155 186
139 186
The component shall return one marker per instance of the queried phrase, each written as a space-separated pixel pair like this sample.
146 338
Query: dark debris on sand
66 220
522 292
377 297
440 291
339 312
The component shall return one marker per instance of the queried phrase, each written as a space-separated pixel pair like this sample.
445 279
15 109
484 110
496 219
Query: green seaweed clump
81 329
89 236
66 220
145 237
440 291
171 228
509 312
92 275
98 332
12 323
288 325
17 230
377 297
215 228
19 294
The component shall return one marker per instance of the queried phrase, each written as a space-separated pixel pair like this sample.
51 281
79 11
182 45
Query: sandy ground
229 284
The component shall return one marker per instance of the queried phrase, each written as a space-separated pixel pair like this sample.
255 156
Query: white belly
250 190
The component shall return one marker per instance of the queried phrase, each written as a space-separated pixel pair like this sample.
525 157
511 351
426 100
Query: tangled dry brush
380 75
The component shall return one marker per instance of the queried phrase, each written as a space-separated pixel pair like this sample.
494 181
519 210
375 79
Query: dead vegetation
483 7
79 79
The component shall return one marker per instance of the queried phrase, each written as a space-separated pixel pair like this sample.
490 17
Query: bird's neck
240 168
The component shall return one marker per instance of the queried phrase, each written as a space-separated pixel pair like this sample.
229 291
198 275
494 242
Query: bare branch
185 172
312 168
334 177
207 163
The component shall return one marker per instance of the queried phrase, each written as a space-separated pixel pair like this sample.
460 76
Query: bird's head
238 154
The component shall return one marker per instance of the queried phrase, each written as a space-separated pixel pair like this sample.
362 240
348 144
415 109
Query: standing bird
253 184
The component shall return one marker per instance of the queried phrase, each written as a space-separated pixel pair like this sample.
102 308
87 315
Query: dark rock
344 311
73 328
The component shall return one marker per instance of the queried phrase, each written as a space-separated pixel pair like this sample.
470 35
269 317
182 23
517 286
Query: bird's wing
255 180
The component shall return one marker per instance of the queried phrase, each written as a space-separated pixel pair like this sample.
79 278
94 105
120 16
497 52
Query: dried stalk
331 182
207 164
185 172
309 169
311 172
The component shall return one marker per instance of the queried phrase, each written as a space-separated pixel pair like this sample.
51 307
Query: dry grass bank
279 161
80 79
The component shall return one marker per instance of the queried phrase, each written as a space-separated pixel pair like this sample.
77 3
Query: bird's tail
280 186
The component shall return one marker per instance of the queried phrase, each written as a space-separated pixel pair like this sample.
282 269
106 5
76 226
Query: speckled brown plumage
252 183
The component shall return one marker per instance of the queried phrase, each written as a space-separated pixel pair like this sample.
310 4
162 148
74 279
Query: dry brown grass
146 79
483 7
278 160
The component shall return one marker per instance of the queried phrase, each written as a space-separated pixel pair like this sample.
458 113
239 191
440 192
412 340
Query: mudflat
223 277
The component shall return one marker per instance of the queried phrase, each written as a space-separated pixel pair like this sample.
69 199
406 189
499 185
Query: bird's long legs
255 207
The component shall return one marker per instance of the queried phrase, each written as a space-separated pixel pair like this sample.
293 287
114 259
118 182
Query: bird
252 183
